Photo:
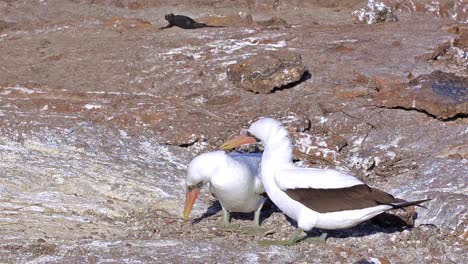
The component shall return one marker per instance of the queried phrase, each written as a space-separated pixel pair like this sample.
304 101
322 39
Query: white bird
320 198
234 180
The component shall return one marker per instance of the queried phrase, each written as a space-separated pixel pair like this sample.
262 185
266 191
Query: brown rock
273 22
247 20
126 24
4 25
342 49
264 72
455 152
443 95
462 31
234 20
350 92
385 82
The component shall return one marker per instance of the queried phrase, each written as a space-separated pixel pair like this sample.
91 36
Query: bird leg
226 217
296 237
227 226
257 212
256 229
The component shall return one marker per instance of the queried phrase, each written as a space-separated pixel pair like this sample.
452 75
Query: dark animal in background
184 22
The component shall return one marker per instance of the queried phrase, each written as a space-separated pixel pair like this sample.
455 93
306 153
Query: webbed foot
295 238
322 239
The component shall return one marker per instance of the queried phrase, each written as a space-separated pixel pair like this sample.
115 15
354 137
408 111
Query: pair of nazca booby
315 198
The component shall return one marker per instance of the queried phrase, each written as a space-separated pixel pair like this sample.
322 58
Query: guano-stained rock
374 12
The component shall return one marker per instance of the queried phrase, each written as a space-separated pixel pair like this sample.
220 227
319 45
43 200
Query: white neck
276 156
278 150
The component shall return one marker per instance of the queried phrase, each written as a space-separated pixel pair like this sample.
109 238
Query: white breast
235 184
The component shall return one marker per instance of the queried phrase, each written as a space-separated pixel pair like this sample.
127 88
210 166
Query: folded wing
314 178
327 191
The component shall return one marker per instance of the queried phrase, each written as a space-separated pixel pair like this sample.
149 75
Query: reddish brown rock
442 95
350 92
267 71
384 82
462 40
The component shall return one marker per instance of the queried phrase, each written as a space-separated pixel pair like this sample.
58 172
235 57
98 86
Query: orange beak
243 139
190 198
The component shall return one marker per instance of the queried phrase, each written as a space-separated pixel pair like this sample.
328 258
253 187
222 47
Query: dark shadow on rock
306 76
364 229
383 223
268 209
455 117
387 220
363 261
214 208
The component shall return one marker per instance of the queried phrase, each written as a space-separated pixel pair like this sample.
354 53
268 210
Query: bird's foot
294 239
322 239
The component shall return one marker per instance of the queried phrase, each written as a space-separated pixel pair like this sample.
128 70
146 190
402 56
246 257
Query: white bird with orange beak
315 198
234 180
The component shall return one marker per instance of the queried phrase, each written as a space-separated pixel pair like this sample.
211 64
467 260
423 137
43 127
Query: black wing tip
411 203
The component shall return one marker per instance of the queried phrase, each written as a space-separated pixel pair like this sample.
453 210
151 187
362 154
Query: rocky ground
101 111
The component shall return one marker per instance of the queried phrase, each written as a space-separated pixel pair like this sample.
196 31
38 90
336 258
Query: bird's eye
190 187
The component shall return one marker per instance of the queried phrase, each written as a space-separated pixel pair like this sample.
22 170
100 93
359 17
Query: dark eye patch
250 135
198 185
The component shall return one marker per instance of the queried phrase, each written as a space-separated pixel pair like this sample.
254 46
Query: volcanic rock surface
100 113
264 72
443 95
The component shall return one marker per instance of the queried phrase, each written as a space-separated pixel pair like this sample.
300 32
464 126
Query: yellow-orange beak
243 139
190 198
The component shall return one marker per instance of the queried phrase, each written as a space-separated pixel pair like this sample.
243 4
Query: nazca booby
234 180
320 198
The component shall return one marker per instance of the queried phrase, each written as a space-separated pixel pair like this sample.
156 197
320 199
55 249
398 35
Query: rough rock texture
374 12
100 112
443 95
264 72
454 9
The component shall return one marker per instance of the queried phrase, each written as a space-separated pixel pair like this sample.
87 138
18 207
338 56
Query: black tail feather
410 203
